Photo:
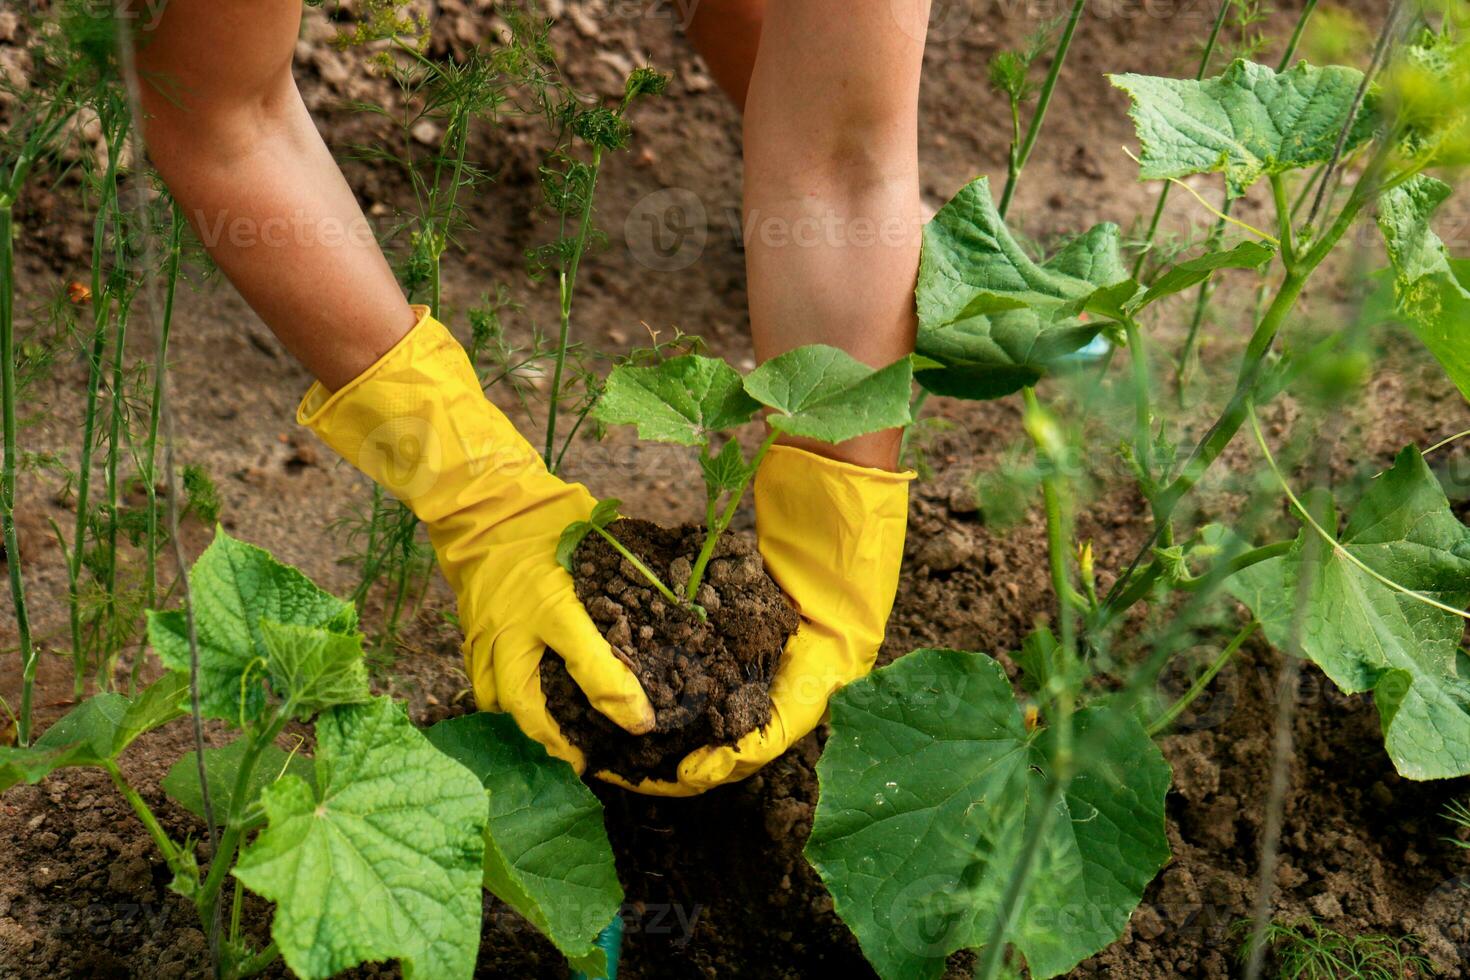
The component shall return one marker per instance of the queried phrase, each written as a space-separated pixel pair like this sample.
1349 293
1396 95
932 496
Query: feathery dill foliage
1308 950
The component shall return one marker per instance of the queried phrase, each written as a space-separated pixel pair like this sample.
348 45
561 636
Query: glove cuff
832 535
418 424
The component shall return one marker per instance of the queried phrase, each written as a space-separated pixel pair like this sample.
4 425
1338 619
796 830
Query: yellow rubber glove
832 537
419 425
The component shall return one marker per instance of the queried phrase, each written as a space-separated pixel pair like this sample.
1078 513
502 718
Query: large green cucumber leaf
222 770
683 400
996 320
1247 123
381 861
928 783
1431 289
826 394
1367 636
234 586
547 855
95 732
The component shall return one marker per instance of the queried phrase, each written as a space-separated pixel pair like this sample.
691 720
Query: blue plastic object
610 941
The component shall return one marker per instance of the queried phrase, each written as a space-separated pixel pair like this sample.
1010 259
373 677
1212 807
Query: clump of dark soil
709 681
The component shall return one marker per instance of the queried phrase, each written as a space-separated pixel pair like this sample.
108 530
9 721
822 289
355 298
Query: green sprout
814 392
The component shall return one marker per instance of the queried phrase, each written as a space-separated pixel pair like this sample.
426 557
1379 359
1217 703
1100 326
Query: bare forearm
727 34
241 155
832 205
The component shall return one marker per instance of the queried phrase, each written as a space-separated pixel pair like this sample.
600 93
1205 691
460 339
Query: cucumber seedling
814 392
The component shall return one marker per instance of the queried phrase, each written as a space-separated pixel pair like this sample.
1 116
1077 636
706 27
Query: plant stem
1204 66
643 569
717 527
252 965
1062 762
1142 423
568 283
8 396
155 410
1033 129
1327 536
236 900
1380 49
155 830
1203 681
1283 219
1228 424
223 858
101 304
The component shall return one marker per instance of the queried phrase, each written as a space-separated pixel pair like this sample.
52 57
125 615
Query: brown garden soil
716 885
709 681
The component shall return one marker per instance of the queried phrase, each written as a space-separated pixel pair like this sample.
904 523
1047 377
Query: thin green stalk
1445 442
207 899
1033 130
155 830
1283 219
236 901
1170 714
8 396
1142 411
568 284
252 965
716 528
643 569
1329 539
101 305
1228 424
38 139
116 422
1063 763
155 410
1204 66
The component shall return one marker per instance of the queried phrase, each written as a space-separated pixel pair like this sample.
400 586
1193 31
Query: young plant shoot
814 392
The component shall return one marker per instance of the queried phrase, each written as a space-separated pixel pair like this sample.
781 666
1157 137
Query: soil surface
716 885
709 681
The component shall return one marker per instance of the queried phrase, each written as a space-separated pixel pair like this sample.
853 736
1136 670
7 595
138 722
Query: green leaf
928 783
726 470
382 860
996 320
235 587
84 736
604 513
547 853
95 731
682 400
312 669
823 393
222 769
1248 123
1430 288
1039 660
1367 636
1191 272
155 706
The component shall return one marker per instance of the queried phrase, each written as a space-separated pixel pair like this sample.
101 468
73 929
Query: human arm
397 397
